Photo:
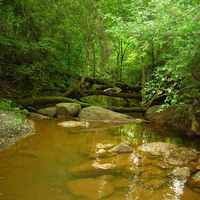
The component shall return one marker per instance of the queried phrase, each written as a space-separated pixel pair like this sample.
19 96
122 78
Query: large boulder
173 115
98 114
90 188
68 109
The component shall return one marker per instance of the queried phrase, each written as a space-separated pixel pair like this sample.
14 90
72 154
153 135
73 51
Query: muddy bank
13 128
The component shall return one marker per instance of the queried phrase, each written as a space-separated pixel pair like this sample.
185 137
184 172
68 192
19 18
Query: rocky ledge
183 117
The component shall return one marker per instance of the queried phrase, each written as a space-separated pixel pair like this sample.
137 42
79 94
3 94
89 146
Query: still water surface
38 167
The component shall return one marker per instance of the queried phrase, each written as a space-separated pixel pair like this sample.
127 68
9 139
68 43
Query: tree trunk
121 85
94 60
194 123
121 61
84 75
143 80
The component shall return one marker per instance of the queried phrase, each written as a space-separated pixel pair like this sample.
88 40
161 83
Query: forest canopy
149 43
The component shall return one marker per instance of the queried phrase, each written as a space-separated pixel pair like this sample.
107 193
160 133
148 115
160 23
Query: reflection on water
43 165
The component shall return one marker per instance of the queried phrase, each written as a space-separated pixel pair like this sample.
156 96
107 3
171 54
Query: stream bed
45 165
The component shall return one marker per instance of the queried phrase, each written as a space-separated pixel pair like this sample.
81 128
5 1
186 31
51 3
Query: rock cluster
152 167
88 114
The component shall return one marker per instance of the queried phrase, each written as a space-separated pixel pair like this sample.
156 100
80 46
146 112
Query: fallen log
125 87
114 94
127 110
36 101
41 101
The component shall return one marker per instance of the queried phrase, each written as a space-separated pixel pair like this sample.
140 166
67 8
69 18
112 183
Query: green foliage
42 40
165 34
101 100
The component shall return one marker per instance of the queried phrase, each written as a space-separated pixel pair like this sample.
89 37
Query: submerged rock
195 180
123 147
103 166
133 170
114 164
99 153
116 198
73 124
92 168
99 114
183 172
120 182
183 157
154 184
90 188
104 146
156 148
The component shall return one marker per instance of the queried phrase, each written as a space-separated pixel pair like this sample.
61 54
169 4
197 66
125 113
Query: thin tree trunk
143 80
121 61
117 65
84 75
94 60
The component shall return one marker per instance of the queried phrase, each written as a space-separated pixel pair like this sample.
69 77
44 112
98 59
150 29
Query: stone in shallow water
70 124
113 164
106 177
123 147
156 148
154 184
103 166
195 180
183 172
100 153
92 168
116 198
133 170
183 157
90 188
120 182
138 192
104 146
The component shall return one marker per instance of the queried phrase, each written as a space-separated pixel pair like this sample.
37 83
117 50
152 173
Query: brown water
38 167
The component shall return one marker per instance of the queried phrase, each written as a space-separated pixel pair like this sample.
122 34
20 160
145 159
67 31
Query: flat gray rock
70 124
99 114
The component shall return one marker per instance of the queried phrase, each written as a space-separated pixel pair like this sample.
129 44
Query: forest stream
40 166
